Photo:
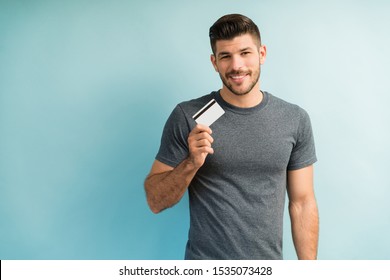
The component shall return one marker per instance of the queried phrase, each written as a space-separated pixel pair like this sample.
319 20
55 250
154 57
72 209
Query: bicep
300 184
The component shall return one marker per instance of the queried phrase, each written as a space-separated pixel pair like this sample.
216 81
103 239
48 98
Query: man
238 170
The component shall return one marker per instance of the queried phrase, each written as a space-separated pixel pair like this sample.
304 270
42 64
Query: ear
214 62
262 53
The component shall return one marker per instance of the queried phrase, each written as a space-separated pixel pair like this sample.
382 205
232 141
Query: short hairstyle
231 26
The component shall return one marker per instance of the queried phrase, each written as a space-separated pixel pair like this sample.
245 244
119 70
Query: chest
251 143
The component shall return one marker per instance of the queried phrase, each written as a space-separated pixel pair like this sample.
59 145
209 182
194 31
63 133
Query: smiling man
238 172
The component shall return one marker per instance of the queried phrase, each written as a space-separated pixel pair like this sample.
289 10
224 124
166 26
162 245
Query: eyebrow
227 53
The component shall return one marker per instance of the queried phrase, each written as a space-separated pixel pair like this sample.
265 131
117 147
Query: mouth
238 77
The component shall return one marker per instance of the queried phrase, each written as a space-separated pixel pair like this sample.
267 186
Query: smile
238 78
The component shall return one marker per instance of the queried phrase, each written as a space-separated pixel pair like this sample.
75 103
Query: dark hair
230 26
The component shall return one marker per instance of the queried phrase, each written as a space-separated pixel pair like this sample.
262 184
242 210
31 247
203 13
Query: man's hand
166 185
199 142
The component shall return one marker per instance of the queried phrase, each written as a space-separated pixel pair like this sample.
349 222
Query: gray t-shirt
237 197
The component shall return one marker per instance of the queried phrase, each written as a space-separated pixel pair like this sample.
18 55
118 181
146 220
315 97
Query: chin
239 93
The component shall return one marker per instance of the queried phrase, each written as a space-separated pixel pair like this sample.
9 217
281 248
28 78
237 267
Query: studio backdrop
86 87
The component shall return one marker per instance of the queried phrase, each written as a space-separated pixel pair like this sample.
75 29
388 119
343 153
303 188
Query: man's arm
165 185
303 212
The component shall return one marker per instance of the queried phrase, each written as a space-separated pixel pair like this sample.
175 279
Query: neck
251 99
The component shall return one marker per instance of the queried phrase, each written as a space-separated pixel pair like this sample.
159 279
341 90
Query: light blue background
86 87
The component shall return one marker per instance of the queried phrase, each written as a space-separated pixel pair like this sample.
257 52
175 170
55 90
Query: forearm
305 228
164 190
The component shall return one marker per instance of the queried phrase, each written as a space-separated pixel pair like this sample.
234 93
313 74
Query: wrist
190 166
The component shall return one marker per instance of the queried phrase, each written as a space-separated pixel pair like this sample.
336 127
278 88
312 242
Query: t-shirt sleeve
174 146
303 153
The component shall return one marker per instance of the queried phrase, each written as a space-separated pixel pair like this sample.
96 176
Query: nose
237 62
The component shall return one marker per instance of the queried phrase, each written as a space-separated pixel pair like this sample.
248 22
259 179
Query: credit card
209 113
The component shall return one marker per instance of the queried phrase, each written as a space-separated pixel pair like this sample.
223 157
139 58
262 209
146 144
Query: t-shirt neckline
241 110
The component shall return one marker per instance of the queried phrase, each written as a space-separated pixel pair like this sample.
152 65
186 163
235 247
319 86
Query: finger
209 150
202 128
205 150
203 143
201 147
200 136
203 135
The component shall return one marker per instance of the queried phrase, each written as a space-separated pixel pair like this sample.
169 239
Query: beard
254 76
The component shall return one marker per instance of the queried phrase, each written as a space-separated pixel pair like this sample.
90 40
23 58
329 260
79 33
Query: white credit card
209 113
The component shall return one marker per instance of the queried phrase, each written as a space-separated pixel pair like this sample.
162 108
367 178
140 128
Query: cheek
256 63
217 66
220 68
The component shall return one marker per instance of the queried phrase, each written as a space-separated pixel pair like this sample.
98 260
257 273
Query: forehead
236 44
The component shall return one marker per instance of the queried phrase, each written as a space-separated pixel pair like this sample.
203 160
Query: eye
224 57
245 53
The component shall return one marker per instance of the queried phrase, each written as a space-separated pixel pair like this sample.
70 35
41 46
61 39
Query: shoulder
282 104
285 108
190 107
183 112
